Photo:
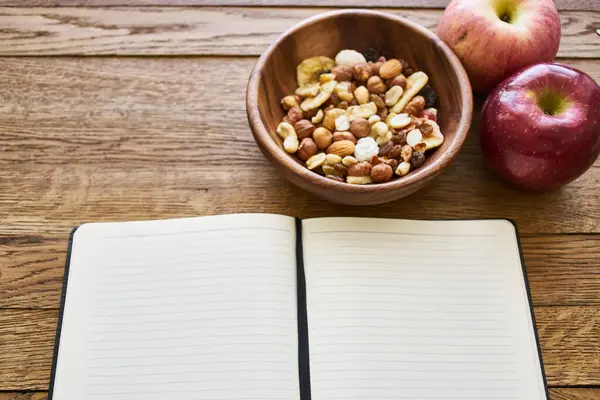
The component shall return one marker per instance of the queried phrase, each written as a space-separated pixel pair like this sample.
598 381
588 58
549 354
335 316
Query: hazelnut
376 85
288 102
294 115
390 69
342 73
375 67
362 72
322 137
304 128
375 160
379 102
399 80
307 149
362 168
417 159
381 173
391 162
337 136
415 105
360 128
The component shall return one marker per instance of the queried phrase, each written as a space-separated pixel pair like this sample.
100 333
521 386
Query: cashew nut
290 139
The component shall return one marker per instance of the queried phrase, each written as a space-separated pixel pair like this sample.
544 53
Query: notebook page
418 310
201 308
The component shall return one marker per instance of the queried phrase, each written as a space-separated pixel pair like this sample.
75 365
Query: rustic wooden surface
86 137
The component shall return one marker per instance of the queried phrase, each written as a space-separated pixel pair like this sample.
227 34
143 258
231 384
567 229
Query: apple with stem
540 128
495 38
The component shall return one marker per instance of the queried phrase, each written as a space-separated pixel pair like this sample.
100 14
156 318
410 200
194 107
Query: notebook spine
303 354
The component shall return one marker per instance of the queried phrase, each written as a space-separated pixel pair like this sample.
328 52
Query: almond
390 69
342 148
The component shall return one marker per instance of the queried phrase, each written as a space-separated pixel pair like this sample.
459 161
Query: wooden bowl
274 76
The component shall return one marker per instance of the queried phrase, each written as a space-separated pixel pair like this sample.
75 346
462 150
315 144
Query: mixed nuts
360 118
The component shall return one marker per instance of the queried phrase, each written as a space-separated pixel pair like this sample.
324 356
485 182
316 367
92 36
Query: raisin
417 159
371 54
429 95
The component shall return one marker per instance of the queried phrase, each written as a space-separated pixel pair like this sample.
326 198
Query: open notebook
256 306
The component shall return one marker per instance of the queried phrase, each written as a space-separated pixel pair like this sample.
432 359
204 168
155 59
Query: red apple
540 128
495 38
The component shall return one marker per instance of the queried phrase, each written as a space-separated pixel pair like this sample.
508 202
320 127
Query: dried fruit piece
362 111
415 83
309 70
309 90
417 159
434 139
384 151
371 54
349 57
325 93
378 100
429 95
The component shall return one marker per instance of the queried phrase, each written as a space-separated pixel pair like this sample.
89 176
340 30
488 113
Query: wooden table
116 110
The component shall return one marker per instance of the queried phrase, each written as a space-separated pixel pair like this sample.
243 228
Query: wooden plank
31 269
555 394
569 336
202 31
582 5
574 394
117 134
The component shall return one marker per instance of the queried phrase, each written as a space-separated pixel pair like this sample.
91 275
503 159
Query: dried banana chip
436 138
310 103
310 90
414 84
309 70
363 111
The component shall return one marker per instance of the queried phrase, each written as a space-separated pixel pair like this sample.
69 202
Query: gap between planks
205 30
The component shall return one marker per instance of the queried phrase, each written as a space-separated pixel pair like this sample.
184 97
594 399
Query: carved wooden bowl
274 76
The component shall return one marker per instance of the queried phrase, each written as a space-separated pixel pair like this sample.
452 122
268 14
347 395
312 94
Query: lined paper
418 310
199 308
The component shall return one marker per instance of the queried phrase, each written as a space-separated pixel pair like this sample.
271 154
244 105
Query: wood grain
31 269
138 138
555 394
569 336
203 31
589 5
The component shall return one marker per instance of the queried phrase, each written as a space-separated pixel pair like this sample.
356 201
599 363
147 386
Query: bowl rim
270 146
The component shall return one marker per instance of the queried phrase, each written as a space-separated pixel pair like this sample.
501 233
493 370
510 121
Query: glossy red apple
540 128
495 38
